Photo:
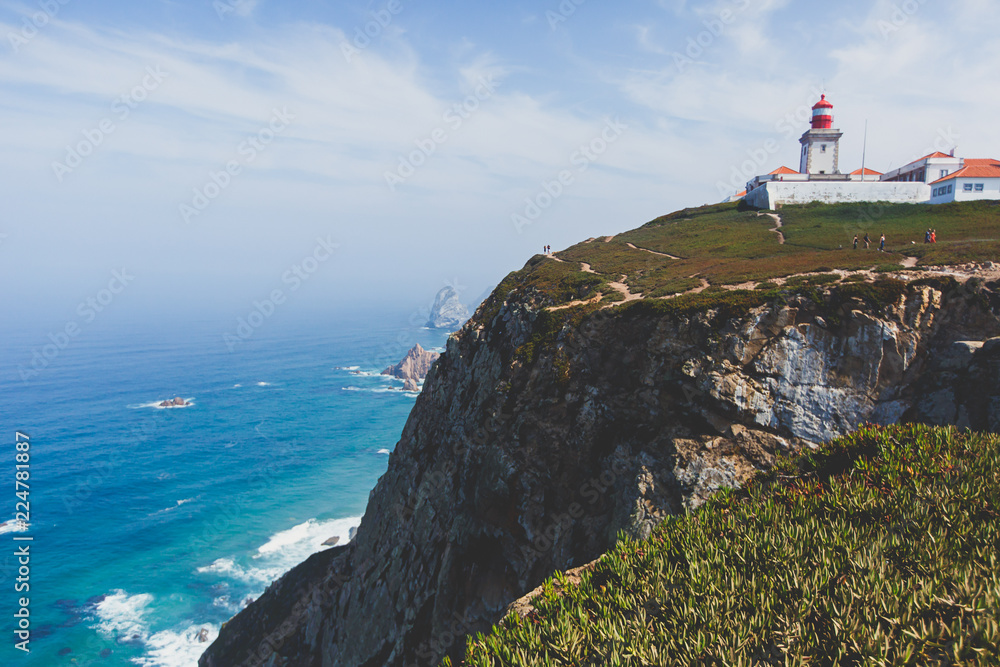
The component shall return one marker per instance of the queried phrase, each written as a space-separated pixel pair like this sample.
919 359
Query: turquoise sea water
153 526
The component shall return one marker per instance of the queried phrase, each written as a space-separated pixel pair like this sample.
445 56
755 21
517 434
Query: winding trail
622 289
777 228
652 252
909 262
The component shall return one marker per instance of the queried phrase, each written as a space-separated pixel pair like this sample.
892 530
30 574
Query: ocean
152 526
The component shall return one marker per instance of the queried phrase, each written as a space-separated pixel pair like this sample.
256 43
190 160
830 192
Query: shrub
881 548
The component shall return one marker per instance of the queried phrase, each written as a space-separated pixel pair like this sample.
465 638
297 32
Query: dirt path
622 289
777 228
652 252
909 262
586 268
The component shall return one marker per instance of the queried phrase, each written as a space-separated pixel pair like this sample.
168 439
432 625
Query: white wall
774 194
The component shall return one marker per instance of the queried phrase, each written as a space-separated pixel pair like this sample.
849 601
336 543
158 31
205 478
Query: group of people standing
930 236
868 242
547 249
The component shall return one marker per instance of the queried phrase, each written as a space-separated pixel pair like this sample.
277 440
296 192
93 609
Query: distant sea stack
413 368
447 312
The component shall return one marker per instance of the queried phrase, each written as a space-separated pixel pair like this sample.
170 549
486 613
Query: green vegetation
726 245
879 549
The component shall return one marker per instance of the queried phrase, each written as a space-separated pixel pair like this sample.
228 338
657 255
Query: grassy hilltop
727 245
880 549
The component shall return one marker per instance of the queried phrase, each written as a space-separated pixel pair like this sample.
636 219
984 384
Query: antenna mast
864 153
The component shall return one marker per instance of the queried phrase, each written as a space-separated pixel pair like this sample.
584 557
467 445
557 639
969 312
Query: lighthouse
821 143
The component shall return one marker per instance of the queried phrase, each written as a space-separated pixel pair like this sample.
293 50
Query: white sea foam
346 368
228 568
237 386
263 384
283 551
377 390
188 402
13 527
177 648
120 616
384 451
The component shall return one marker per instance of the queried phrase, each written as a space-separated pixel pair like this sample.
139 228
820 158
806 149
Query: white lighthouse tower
821 143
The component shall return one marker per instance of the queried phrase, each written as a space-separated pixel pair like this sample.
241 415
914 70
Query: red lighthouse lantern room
822 115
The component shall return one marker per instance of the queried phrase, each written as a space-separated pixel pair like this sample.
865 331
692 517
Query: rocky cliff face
534 444
448 312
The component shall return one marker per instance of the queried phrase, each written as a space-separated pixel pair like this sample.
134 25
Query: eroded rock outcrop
532 446
448 312
414 367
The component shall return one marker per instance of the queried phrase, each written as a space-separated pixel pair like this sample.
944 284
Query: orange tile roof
868 172
934 154
980 161
783 170
973 171
742 194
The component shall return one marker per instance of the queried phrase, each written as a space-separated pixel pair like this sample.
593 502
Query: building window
979 187
934 192
967 187
944 172
822 148
950 189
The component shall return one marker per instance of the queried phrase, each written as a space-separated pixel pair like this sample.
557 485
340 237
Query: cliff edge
570 408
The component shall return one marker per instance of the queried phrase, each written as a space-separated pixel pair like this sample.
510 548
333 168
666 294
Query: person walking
881 244
868 241
927 236
855 241
933 236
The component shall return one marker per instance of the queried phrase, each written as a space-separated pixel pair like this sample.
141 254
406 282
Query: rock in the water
447 312
203 635
414 366
410 385
174 403
331 541
352 532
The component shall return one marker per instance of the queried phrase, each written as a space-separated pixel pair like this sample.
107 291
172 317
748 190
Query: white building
935 178
977 179
927 169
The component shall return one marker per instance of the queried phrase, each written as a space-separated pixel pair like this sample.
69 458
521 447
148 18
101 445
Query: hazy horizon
208 149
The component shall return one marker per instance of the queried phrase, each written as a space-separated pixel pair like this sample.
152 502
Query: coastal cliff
542 434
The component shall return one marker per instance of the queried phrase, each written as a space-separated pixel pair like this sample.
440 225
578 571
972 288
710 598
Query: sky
176 159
